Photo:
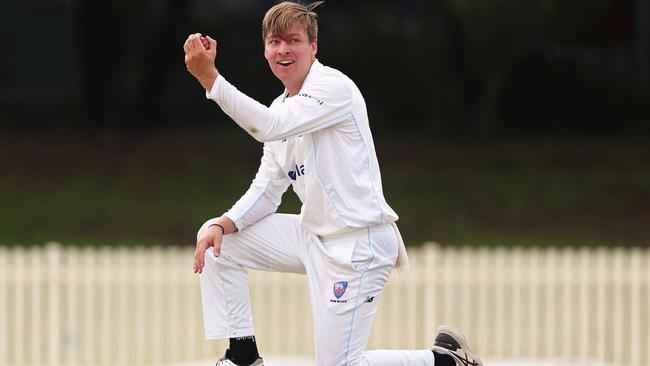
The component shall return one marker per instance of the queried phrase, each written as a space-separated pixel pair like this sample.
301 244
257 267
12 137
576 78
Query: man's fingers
197 261
199 256
201 261
192 38
195 43
213 43
217 245
188 43
201 247
205 43
217 250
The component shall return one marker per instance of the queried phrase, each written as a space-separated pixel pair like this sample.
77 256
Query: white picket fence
71 306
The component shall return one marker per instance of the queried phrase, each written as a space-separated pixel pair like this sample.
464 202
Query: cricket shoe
224 361
452 342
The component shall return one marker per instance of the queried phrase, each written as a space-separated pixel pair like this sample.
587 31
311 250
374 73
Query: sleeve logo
305 95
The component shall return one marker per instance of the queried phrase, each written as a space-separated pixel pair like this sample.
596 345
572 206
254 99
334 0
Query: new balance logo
369 298
298 172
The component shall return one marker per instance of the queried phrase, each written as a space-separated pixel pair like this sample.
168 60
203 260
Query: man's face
290 56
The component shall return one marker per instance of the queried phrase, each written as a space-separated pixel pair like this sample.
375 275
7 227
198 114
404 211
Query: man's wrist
207 81
223 230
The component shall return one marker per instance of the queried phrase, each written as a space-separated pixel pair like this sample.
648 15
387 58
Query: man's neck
295 89
291 91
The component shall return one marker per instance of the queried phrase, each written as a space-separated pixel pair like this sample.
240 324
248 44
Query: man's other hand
212 237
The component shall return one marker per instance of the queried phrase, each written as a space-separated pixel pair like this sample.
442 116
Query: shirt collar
314 70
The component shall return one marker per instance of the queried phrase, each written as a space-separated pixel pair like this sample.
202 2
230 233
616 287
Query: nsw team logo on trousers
339 288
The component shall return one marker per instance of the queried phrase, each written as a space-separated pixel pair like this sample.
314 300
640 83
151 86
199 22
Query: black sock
443 360
243 350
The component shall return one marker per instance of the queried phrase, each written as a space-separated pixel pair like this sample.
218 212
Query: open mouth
285 63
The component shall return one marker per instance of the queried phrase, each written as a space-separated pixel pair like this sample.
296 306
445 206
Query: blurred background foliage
502 122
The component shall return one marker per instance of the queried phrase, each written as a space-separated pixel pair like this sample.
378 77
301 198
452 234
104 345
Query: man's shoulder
331 74
330 78
278 99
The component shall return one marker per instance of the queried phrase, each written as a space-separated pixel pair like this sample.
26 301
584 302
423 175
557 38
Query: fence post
635 313
549 314
140 306
465 287
485 276
566 340
72 283
499 293
88 339
175 326
426 269
516 318
19 274
584 283
122 324
4 283
35 270
412 321
601 313
618 337
54 314
646 280
534 272
448 283
156 279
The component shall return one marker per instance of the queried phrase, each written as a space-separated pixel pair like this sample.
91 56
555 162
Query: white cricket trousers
346 275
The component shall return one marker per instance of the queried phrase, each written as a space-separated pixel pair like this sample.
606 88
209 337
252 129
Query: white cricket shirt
318 141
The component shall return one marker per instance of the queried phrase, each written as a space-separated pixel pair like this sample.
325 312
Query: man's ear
266 56
314 47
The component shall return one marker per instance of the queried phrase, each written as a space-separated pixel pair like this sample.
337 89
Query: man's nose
284 48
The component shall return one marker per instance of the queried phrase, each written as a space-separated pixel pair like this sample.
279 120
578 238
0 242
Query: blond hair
284 15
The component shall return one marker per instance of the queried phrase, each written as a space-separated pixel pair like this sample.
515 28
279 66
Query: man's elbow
256 134
264 137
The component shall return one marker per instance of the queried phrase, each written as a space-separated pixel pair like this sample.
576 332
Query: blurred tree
497 35
127 55
642 37
445 67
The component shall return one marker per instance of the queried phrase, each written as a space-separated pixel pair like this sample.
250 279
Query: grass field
158 190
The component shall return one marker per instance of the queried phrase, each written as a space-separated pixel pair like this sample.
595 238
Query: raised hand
200 56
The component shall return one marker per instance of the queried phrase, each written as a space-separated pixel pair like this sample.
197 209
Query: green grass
525 200
158 191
